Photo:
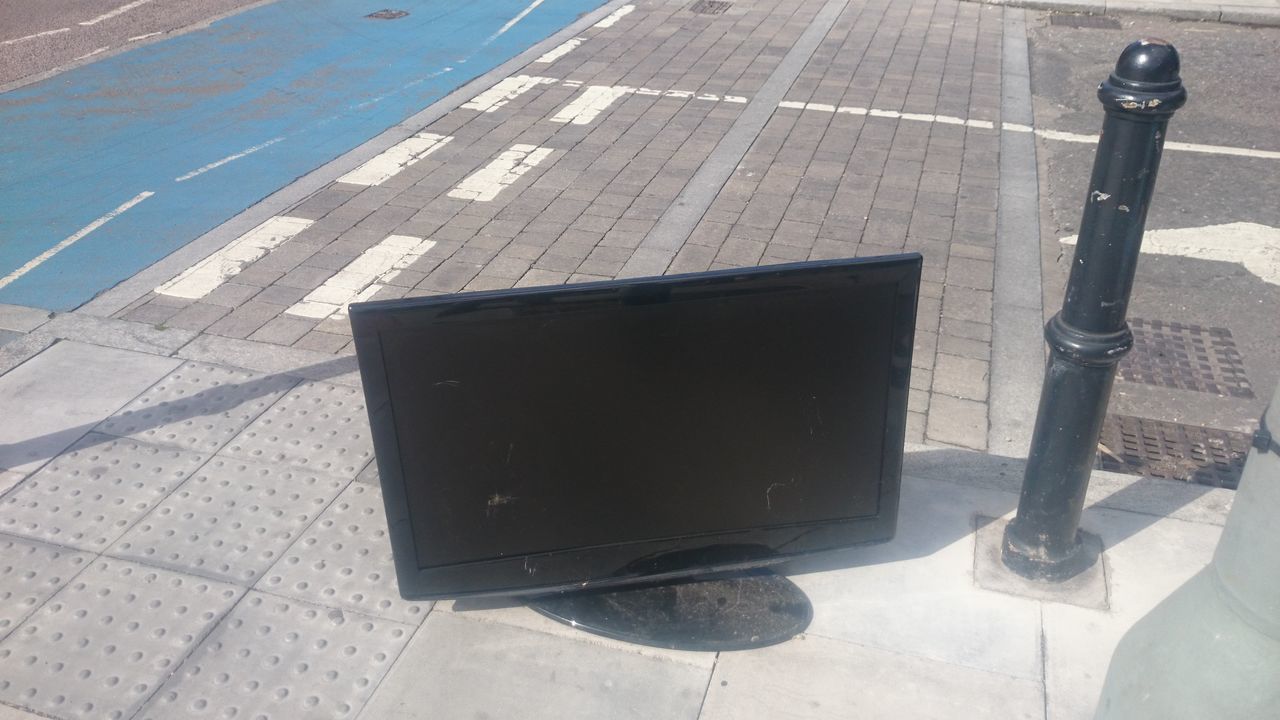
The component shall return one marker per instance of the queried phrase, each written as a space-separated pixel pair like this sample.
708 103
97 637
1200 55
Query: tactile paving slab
198 406
1172 451
30 573
279 658
231 520
1185 356
344 560
317 425
103 644
89 496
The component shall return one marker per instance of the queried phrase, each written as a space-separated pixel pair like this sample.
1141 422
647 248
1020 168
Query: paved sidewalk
1242 12
187 540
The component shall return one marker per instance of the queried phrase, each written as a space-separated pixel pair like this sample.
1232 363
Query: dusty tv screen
541 439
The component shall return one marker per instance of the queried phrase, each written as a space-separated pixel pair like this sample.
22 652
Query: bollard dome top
1147 64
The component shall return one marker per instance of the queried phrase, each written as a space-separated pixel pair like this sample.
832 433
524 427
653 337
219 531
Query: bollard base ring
1036 561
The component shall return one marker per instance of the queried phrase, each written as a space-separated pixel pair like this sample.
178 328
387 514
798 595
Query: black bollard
1089 335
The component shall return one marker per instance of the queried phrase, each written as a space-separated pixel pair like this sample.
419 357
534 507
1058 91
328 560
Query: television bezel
603 565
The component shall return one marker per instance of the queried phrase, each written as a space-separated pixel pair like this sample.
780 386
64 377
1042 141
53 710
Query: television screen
541 439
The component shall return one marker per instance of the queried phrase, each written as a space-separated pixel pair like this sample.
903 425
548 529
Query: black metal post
1089 336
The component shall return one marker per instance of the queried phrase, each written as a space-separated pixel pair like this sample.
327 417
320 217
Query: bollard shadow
209 402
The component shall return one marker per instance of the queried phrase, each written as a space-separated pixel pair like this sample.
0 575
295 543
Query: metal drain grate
1154 448
710 7
387 15
1188 357
1092 22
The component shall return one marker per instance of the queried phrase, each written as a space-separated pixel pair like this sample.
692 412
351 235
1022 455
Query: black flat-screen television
546 439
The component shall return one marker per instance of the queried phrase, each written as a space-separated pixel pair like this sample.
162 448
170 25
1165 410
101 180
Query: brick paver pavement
884 143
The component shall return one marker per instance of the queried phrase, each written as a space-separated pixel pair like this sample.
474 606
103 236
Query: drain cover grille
1093 22
1188 357
387 15
710 7
1171 451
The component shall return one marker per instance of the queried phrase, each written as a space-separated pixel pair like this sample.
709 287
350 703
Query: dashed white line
560 50
362 278
227 159
1047 134
395 158
512 22
505 91
118 11
589 103
91 54
615 16
73 239
33 36
144 36
484 184
205 276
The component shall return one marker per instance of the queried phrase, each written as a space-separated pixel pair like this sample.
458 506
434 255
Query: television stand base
733 611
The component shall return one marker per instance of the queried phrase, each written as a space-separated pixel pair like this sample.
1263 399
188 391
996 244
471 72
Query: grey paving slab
818 678
198 406
103 644
319 426
51 400
19 318
460 668
278 658
89 496
30 573
121 334
267 358
231 521
344 560
10 478
916 594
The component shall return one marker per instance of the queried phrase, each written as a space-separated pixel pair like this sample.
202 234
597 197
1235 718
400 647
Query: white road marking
1015 127
504 92
484 184
91 54
118 11
589 103
73 239
561 50
203 277
227 159
391 161
362 277
512 22
1256 247
24 38
615 16
144 36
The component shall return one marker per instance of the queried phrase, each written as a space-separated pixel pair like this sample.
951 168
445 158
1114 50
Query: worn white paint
114 13
1256 247
894 114
362 278
203 277
219 163
391 161
512 22
589 103
484 184
615 16
560 50
91 53
144 36
33 36
72 239
505 91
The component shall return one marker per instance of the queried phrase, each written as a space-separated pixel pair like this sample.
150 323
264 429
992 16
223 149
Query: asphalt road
1232 74
40 36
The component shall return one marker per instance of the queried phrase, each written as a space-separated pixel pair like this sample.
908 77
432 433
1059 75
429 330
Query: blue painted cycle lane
282 89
